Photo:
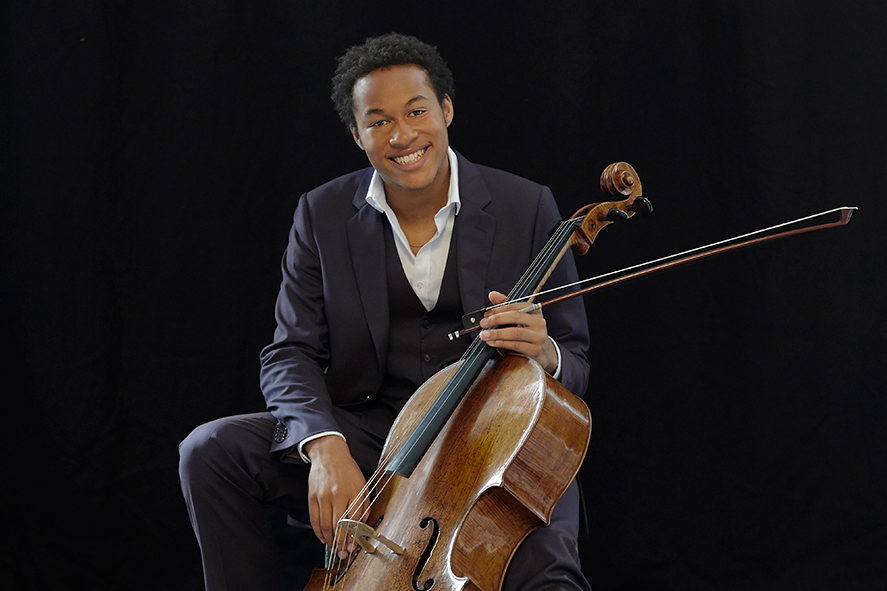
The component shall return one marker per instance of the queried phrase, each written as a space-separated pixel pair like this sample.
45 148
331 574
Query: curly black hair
380 52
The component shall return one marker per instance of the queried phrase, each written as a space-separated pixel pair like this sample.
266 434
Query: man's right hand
334 482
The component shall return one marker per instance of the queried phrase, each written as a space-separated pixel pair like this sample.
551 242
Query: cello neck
408 455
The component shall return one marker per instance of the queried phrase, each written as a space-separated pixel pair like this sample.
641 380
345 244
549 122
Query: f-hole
432 541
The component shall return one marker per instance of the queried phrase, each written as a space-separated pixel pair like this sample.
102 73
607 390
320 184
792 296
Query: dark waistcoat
418 346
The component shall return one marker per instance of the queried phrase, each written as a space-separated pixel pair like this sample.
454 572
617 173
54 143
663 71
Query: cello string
559 238
377 480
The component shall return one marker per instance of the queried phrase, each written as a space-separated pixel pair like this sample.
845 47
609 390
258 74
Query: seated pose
381 265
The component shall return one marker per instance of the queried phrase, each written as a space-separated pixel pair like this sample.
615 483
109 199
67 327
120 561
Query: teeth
410 158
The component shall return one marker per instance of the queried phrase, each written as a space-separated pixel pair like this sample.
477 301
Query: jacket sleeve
292 375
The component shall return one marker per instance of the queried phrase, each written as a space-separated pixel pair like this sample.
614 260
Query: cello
479 455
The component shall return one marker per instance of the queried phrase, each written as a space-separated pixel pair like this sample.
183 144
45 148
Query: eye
417 112
379 123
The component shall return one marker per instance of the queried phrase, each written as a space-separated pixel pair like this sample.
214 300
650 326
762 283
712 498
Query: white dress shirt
424 270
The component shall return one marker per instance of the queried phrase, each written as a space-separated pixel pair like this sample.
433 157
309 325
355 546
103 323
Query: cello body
493 474
480 454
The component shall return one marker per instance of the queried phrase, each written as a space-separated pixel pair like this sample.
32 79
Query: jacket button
427 358
280 433
426 323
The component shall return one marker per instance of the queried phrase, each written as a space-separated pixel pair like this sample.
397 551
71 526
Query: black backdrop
154 152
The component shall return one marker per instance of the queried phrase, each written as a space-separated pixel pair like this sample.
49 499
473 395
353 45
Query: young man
381 265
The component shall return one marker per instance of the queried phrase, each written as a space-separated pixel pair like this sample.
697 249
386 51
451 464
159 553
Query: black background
153 153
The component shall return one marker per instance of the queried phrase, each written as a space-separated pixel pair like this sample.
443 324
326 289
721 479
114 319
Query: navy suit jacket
331 339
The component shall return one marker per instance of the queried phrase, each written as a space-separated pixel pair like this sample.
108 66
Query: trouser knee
202 453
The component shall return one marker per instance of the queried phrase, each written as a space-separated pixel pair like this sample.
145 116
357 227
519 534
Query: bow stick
471 321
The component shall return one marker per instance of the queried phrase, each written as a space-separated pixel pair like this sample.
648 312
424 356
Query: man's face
403 128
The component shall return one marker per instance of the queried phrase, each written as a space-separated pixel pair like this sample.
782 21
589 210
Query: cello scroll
619 178
580 231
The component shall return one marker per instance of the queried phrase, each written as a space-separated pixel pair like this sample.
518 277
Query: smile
410 158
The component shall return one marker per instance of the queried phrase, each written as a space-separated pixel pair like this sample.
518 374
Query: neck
415 205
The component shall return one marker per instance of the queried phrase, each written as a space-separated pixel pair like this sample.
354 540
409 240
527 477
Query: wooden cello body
478 457
494 474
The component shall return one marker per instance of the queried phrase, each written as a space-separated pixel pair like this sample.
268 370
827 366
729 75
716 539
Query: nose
402 135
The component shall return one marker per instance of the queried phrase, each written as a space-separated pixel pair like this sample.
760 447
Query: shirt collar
376 192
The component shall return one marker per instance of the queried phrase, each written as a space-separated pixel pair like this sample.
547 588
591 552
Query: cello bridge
363 533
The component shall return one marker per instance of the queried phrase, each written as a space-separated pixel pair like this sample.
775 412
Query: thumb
496 297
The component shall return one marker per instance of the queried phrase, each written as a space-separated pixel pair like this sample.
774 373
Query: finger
497 310
506 338
355 509
327 527
318 522
358 512
513 347
329 519
522 339
496 297
531 322
345 543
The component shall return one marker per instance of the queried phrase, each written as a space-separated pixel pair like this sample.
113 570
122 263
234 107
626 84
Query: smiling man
380 266
404 134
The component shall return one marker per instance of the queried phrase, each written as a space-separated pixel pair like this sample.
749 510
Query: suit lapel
474 236
366 242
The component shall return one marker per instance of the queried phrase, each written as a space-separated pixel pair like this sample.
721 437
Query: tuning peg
642 206
617 215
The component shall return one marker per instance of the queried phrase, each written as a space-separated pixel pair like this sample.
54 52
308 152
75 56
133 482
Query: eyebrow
412 101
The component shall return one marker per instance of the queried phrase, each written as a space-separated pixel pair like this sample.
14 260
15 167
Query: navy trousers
229 478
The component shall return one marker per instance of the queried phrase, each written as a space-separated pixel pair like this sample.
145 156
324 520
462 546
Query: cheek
367 144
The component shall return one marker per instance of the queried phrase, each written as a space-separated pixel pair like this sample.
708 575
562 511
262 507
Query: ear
448 110
356 137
